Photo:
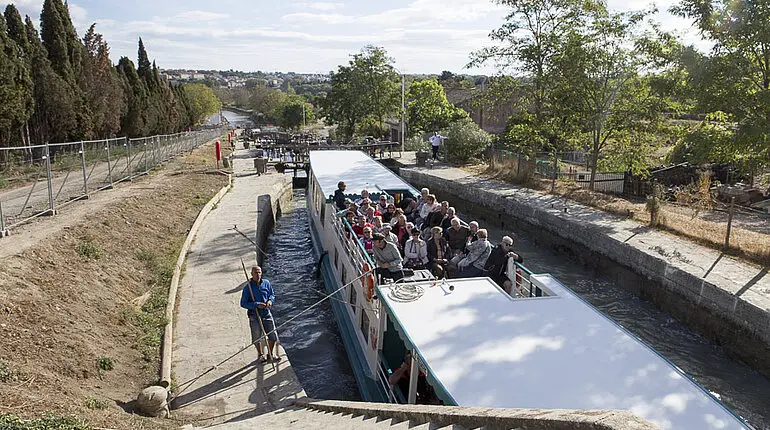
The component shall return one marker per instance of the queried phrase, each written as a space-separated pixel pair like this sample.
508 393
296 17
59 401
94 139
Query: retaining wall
742 328
269 203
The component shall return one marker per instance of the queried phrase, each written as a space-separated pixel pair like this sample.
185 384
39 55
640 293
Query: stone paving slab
210 324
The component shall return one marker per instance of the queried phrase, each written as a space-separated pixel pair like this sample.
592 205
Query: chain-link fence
39 180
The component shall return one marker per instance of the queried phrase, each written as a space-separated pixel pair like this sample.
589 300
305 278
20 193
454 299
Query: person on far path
435 141
258 298
339 196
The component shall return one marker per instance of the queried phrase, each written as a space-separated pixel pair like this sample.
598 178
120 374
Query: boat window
336 259
353 298
323 215
344 275
365 325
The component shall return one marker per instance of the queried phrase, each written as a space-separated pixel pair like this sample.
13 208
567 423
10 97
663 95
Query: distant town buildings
235 79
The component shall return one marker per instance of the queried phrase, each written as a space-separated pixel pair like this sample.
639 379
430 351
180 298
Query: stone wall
742 328
269 203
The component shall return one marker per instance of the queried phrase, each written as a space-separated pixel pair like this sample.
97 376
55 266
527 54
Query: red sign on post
218 149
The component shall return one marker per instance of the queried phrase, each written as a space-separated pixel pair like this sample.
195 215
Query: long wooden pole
259 318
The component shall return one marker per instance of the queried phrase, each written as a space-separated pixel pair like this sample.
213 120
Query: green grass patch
11 422
88 250
95 403
6 374
151 318
105 363
199 200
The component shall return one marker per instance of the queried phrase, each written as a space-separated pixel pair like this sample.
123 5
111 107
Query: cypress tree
54 37
101 86
15 89
134 123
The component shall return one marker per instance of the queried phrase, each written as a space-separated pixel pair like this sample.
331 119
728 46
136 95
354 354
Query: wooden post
555 168
729 222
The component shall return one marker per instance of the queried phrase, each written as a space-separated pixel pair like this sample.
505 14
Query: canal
744 390
312 341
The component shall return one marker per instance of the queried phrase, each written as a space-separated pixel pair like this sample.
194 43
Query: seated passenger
339 196
350 217
388 258
409 207
405 235
415 252
389 212
429 206
425 393
446 223
367 242
358 229
478 252
497 263
371 212
396 215
364 196
438 254
377 224
457 236
382 206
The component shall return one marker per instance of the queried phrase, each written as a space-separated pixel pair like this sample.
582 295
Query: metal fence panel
38 180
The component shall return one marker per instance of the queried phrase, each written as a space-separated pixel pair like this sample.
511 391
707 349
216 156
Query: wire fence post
555 168
109 163
49 177
128 157
730 222
145 156
3 231
83 165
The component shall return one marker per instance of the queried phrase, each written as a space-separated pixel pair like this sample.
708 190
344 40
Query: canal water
312 341
744 390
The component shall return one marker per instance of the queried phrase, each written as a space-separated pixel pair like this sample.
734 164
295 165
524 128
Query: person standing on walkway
258 298
435 141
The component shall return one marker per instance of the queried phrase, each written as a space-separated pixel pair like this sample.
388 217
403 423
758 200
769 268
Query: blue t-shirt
262 294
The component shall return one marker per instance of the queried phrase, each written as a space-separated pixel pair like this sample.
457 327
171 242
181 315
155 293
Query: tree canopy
429 109
57 87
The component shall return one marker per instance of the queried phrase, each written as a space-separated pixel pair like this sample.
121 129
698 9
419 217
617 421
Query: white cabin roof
356 169
490 350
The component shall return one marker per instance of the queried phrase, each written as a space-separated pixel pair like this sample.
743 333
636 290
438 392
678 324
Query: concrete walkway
211 326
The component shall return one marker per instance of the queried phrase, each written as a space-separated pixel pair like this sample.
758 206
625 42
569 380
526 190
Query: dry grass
682 221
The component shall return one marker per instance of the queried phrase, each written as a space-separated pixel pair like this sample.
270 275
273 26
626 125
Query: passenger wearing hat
388 258
387 232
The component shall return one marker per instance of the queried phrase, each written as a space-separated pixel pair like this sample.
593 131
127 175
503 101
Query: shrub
10 422
88 250
465 140
105 363
94 403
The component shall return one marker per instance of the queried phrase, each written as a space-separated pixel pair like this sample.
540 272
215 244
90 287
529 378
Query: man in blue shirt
258 298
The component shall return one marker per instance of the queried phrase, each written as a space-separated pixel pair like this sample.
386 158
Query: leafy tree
529 41
711 141
429 109
134 122
613 102
465 140
202 101
295 113
739 70
367 87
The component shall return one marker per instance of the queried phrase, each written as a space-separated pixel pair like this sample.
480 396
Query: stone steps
298 418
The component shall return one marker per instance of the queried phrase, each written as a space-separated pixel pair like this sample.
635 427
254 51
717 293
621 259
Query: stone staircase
339 415
300 418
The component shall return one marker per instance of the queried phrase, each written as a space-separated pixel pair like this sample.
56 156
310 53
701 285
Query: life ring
368 282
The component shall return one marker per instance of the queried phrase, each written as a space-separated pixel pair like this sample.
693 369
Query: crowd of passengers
423 233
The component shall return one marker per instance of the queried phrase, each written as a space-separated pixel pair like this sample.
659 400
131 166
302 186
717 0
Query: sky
423 36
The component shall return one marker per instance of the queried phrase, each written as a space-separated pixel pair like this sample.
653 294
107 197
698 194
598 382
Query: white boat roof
490 350
357 170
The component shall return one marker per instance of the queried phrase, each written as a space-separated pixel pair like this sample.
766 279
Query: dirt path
68 296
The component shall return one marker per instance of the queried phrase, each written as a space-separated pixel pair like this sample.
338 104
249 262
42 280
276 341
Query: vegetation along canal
741 388
313 340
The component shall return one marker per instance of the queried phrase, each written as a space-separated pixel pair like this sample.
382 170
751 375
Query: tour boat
542 348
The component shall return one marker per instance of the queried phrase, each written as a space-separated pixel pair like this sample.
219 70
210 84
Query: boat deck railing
522 284
352 246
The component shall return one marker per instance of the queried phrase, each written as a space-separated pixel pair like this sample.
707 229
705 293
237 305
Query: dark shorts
256 332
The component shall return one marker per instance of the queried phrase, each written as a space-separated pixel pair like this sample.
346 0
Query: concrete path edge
168 333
